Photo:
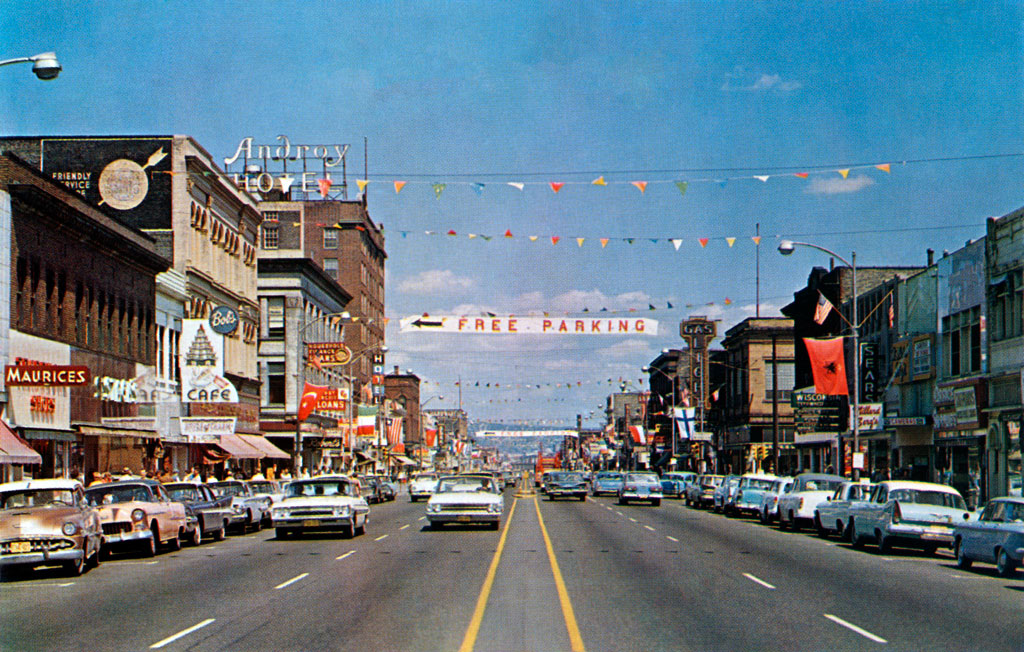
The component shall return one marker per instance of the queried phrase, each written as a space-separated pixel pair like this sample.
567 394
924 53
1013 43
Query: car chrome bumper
919 535
464 517
314 523
122 538
635 495
40 558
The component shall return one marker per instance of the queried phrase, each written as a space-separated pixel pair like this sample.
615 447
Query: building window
961 334
787 378
275 317
330 238
275 383
269 236
1005 299
331 267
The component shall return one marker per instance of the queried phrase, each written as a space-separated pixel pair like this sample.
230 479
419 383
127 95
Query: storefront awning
14 450
403 460
110 431
260 443
238 449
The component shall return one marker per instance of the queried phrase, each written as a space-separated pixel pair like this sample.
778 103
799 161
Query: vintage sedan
465 499
725 493
701 492
422 486
753 487
272 489
247 509
48 522
606 482
832 515
640 486
138 514
673 484
996 537
908 514
797 505
321 504
769 510
209 514
566 484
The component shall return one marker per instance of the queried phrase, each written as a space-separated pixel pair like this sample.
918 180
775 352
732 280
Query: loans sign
529 325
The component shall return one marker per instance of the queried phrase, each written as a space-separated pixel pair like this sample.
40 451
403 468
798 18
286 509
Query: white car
911 514
466 498
247 509
422 486
832 515
769 509
324 503
797 505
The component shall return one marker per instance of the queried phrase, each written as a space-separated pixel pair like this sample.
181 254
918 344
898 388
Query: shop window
787 378
330 238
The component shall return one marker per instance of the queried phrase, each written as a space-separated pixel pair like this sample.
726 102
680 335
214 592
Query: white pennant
676 242
516 185
764 178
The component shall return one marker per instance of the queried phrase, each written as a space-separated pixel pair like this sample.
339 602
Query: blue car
996 537
674 483
606 482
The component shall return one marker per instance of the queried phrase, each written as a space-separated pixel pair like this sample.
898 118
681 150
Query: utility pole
775 405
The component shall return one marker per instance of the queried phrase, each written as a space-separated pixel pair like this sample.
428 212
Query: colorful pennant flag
517 185
730 242
438 188
362 183
884 167
682 185
676 242
579 241
703 242
845 172
325 186
641 186
398 186
556 186
555 239
599 182
763 178
604 242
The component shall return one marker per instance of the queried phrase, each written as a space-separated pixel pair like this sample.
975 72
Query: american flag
394 431
822 310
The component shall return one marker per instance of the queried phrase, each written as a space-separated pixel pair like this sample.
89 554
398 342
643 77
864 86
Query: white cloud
435 281
628 348
835 186
739 81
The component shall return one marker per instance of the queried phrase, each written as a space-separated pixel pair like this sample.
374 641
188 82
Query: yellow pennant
362 183
599 182
398 186
845 172
731 241
533 238
756 239
579 241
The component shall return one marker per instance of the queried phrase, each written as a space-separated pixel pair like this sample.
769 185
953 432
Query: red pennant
703 242
827 365
802 175
325 186
451 232
556 185
508 233
555 239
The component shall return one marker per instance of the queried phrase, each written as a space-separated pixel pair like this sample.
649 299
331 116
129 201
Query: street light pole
786 248
675 392
44 65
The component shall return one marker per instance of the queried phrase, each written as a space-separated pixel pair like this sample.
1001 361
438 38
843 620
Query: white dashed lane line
672 539
404 526
757 580
347 554
291 581
383 536
184 632
649 528
850 626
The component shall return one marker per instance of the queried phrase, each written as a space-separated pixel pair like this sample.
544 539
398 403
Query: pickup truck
910 514
832 515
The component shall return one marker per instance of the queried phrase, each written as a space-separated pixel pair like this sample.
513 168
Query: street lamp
44 65
675 379
786 248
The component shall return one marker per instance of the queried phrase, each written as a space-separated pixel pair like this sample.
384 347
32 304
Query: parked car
566 484
701 492
48 522
673 483
606 482
996 537
372 490
272 489
247 509
138 514
752 488
465 498
725 493
422 486
208 514
638 485
321 504
908 514
389 490
833 515
797 505
769 510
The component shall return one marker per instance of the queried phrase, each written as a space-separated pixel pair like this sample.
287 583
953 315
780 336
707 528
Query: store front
816 452
958 463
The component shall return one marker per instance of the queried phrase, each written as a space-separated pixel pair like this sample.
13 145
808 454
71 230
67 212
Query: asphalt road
558 576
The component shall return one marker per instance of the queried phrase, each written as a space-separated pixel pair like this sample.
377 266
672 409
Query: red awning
14 449
263 445
238 449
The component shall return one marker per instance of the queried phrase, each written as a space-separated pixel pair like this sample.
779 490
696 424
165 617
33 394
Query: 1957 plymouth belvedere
48 522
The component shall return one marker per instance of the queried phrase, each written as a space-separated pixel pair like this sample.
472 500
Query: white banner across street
529 325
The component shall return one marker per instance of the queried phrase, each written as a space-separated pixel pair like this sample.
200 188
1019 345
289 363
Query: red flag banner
827 365
431 436
310 395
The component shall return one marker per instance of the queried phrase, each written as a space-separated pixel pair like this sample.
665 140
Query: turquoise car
996 537
674 483
752 489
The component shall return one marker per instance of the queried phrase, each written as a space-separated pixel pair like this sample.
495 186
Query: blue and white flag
684 417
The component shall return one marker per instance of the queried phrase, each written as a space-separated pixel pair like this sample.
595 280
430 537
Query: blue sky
460 92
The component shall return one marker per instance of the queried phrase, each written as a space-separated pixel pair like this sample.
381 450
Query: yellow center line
469 640
575 640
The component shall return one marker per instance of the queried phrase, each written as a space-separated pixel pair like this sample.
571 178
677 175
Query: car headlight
494 508
69 529
433 508
138 515
279 513
342 511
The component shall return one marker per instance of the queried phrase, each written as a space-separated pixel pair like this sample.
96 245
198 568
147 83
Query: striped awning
237 448
14 449
260 443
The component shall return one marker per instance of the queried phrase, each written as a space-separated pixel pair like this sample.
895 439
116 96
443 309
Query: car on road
908 514
640 486
673 483
752 489
248 511
725 493
209 514
272 489
465 498
322 504
606 482
566 484
372 489
48 522
833 515
797 505
389 490
996 537
422 486
769 509
701 492
138 514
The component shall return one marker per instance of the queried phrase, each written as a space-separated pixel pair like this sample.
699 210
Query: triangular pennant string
325 186
362 183
556 186
604 242
398 186
555 239
676 242
762 178
802 175
756 239
730 242
579 241
438 189
703 242
845 172
682 186
884 167
640 185
599 182
517 185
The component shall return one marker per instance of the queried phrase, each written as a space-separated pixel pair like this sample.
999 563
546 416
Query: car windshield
925 497
464 485
756 483
233 489
36 498
184 493
570 477
642 477
121 494
1013 513
320 488
819 484
425 477
263 487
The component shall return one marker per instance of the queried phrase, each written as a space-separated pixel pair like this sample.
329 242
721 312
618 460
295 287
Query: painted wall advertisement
202 365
